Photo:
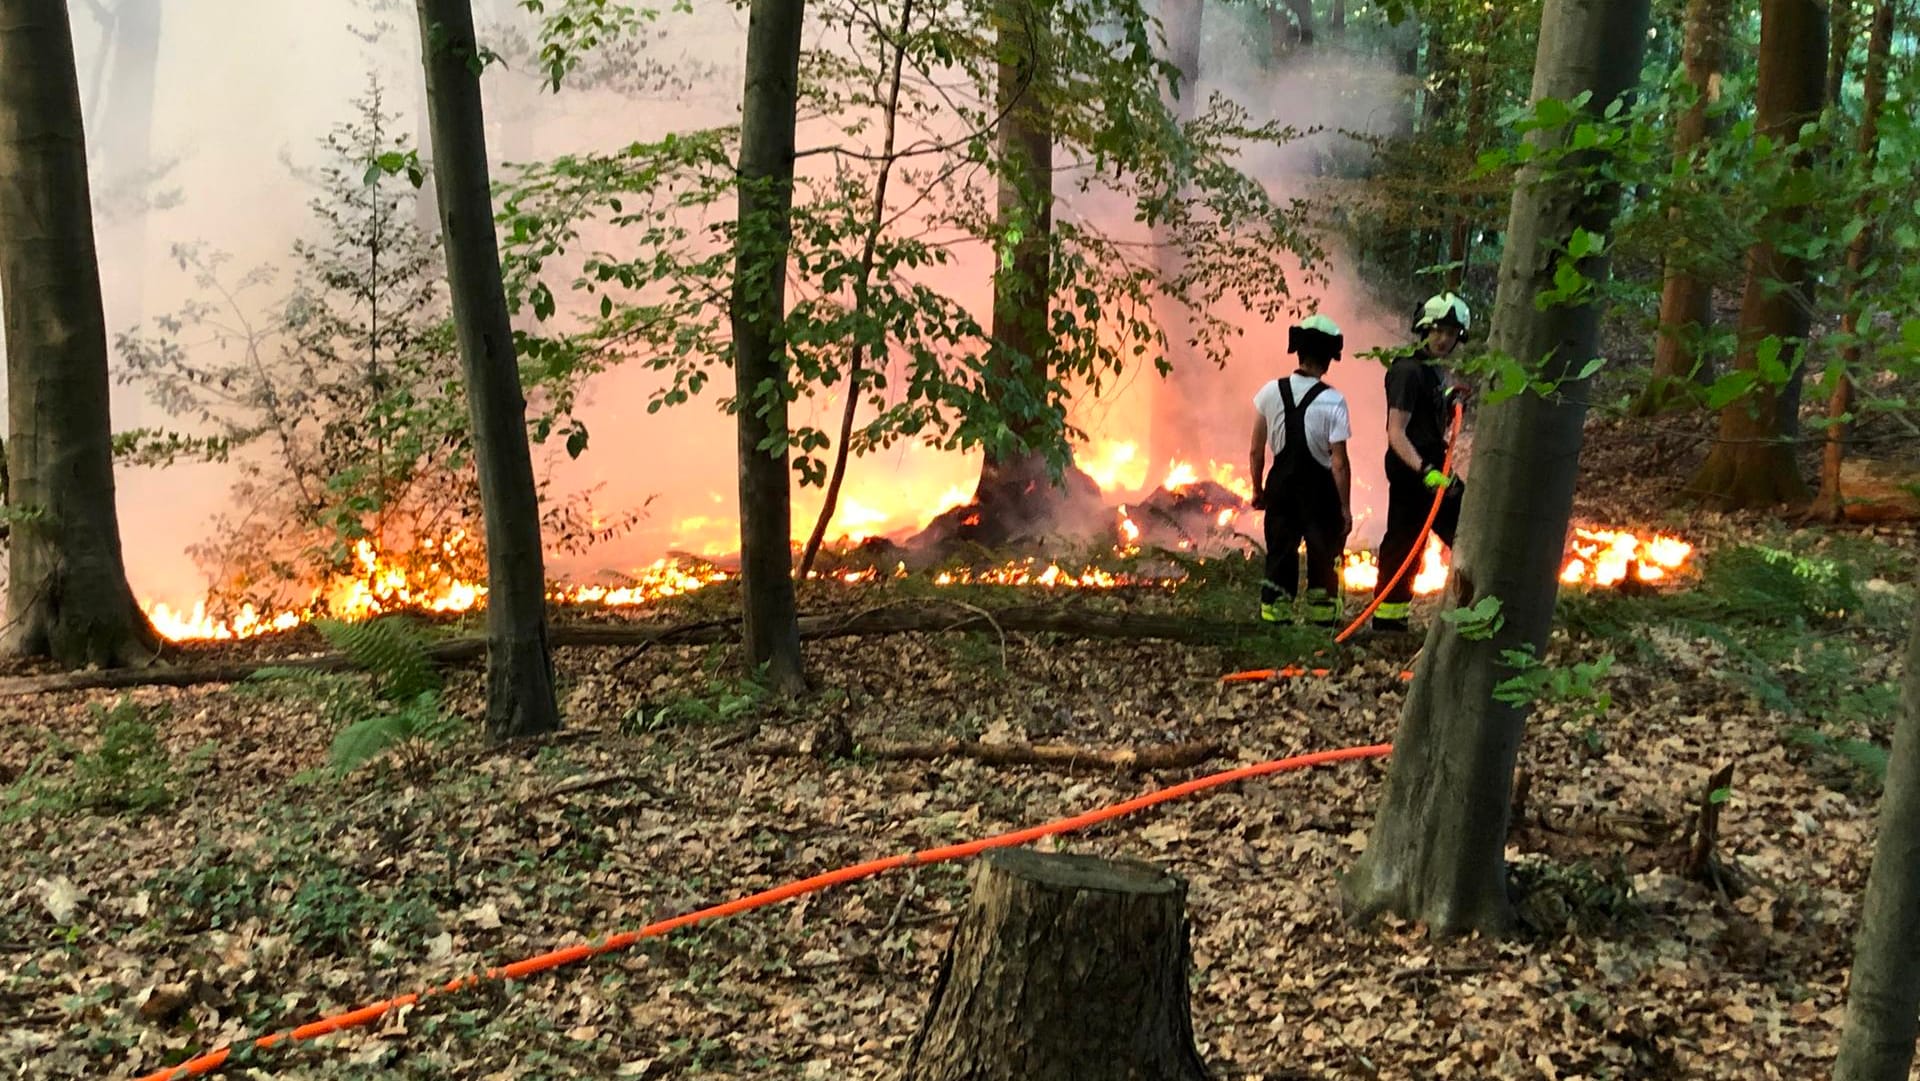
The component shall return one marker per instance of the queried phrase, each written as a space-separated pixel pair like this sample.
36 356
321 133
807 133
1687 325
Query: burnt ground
221 881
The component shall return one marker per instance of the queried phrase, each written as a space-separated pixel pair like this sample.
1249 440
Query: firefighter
1419 407
1306 493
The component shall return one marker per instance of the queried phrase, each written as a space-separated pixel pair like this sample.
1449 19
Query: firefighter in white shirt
1307 492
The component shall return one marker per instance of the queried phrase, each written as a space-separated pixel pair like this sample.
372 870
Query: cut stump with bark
1064 968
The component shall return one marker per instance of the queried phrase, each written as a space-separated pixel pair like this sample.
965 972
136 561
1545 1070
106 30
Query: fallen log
1065 756
931 618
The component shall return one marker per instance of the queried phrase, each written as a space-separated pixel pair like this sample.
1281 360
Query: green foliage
127 770
1576 687
1479 622
1767 585
657 293
719 699
392 649
419 719
293 886
1579 897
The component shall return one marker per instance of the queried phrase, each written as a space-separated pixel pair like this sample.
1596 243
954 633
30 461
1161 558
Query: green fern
392 649
420 719
1767 585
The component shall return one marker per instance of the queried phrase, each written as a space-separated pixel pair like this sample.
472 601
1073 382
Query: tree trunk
1436 852
1883 997
1022 283
520 700
1830 505
862 294
1063 967
1840 21
1686 299
1175 420
759 308
1752 463
67 592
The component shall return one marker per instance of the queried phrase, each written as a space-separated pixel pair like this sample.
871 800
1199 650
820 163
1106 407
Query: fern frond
392 649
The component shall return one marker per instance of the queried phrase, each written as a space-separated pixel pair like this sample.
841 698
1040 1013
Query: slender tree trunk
1175 420
1022 282
1883 996
769 104
520 698
1063 967
862 290
1436 853
1686 299
1752 464
1841 20
67 592
1829 504
1337 18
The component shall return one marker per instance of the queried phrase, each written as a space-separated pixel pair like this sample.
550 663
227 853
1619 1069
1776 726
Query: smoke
201 115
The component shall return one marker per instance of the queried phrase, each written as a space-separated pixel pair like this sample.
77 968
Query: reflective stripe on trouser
1398 610
1322 608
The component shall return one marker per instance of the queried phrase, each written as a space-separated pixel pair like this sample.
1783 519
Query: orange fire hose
211 1061
1379 594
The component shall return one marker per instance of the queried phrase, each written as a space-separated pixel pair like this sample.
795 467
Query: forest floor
204 876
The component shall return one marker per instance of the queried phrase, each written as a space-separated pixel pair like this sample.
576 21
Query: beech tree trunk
520 698
1686 299
1883 997
1022 290
1436 851
67 592
761 390
1175 422
1830 504
1064 967
1752 464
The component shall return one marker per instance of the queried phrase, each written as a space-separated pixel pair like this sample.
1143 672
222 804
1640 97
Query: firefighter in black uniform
1419 409
1307 492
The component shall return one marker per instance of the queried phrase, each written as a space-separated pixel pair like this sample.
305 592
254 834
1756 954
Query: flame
1229 477
1129 533
1115 467
1179 475
1360 572
1606 557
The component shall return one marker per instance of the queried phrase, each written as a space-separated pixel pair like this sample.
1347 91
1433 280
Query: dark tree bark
1175 419
1752 463
67 592
520 698
759 307
1022 282
1829 504
1436 852
1883 996
1686 299
1841 21
1063 967
862 294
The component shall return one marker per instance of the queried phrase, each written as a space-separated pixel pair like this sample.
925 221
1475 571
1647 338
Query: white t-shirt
1326 420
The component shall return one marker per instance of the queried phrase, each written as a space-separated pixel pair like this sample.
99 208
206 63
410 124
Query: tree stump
1064 968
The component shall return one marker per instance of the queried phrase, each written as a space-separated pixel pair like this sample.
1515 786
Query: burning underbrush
1158 542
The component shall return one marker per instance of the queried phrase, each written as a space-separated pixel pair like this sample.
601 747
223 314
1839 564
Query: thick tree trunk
1830 504
1883 997
759 306
1436 853
520 698
1022 282
1175 421
67 592
1752 463
1841 25
1063 967
1686 299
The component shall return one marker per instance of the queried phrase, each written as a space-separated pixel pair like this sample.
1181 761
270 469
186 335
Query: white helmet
1318 335
1444 309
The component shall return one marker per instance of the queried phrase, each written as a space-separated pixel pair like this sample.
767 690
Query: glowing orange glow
1606 557
1115 467
1179 475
